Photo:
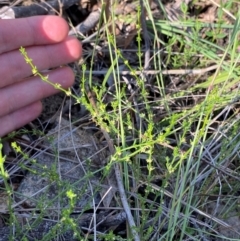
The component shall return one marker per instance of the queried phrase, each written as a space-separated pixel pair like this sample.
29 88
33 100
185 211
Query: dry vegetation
147 146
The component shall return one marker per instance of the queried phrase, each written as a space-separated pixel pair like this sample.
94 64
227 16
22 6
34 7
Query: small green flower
3 173
16 147
57 86
34 70
70 194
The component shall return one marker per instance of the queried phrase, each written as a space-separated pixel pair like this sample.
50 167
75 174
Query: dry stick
89 38
164 72
223 9
6 11
119 180
35 9
89 23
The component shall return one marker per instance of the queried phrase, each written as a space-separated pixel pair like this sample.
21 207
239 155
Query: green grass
174 138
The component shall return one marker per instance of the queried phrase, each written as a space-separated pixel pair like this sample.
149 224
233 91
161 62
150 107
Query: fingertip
74 47
37 30
55 28
63 76
68 77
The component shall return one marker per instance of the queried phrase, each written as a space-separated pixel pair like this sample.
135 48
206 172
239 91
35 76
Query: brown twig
89 23
164 72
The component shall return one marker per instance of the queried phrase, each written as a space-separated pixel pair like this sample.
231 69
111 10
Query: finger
31 31
24 93
19 118
13 67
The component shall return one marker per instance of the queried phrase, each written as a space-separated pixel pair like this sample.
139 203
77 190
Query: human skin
46 41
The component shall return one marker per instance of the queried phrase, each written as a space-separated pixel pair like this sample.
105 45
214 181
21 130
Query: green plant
182 122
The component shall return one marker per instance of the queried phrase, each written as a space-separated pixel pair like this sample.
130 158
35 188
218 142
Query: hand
46 41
